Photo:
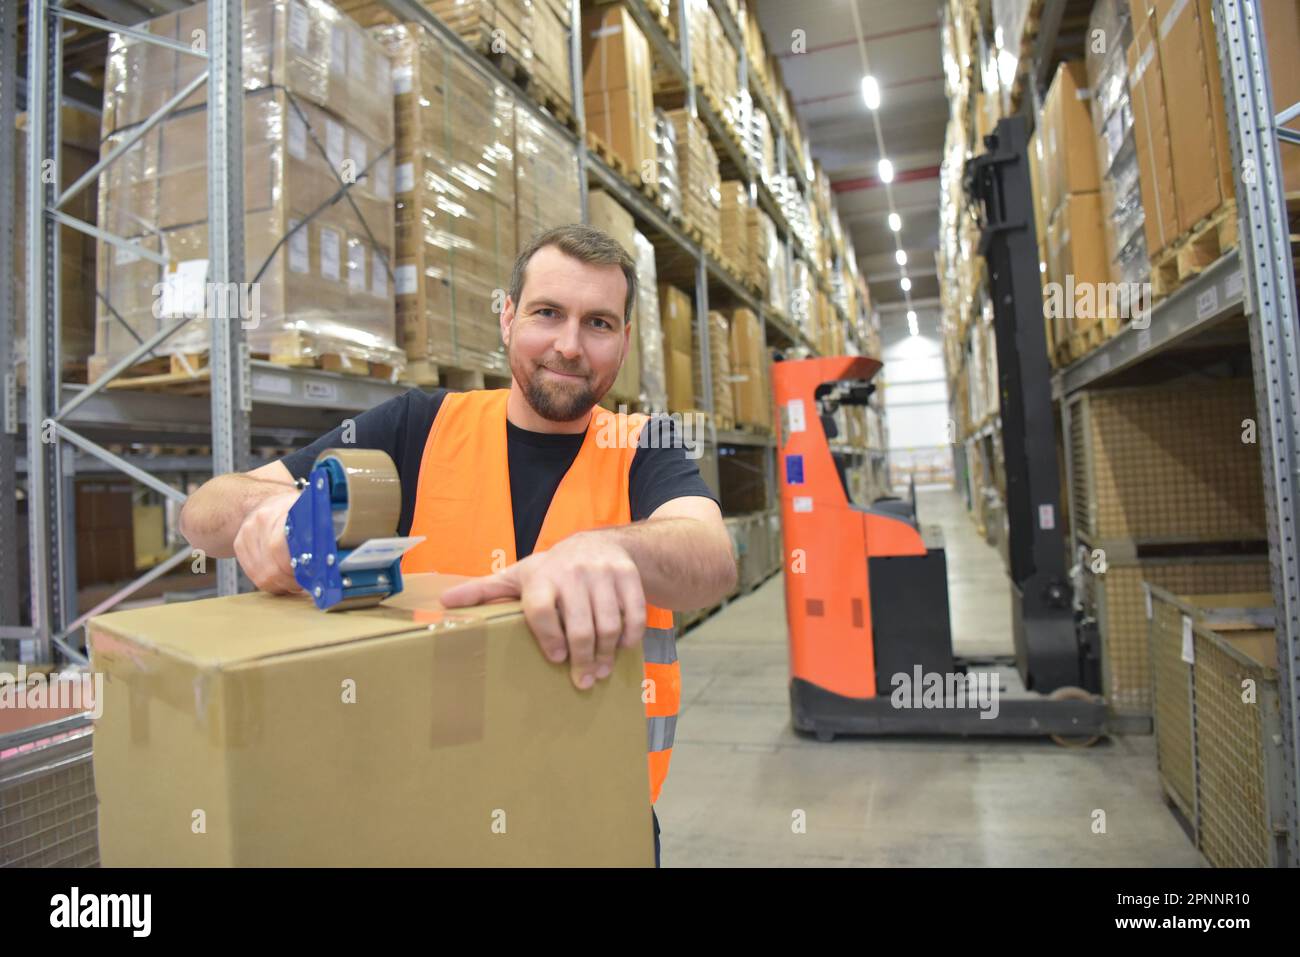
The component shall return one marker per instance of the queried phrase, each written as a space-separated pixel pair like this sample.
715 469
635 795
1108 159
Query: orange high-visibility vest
464 511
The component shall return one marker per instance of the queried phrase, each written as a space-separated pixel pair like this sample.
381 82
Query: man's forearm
212 515
684 563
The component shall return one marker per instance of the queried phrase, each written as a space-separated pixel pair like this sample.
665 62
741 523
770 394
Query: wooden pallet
1198 248
189 373
545 95
427 373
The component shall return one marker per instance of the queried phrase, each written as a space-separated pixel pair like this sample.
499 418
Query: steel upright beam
231 398
1275 342
10 614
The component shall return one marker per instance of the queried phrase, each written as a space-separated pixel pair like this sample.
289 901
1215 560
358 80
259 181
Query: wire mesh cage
48 811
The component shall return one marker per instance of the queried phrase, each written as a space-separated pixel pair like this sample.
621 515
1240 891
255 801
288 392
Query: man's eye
548 312
604 322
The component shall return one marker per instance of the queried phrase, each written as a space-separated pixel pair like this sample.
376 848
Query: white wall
916 391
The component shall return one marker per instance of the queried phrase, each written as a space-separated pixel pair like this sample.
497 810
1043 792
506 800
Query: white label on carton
329 253
297 136
298 26
794 410
378 275
382 189
1207 302
184 289
338 49
298 257
1189 647
357 271
803 503
334 143
612 31
402 77
405 278
405 177
357 153
1046 517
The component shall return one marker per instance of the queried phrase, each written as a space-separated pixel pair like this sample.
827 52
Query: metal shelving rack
1256 281
67 426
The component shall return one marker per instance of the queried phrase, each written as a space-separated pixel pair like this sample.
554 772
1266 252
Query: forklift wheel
1071 693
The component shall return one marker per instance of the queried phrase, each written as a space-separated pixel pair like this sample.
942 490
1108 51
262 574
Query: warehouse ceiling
903 48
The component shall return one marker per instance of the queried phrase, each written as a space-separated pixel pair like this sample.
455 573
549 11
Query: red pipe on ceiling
872 182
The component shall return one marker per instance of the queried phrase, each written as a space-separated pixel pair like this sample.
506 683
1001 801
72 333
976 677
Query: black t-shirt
661 469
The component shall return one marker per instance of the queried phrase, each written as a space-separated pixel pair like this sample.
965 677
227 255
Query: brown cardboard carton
1198 121
1070 143
256 730
677 311
1083 264
1151 138
679 366
749 370
618 100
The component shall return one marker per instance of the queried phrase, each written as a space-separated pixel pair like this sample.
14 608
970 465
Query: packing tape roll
374 496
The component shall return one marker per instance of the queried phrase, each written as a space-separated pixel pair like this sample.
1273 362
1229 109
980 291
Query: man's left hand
583 599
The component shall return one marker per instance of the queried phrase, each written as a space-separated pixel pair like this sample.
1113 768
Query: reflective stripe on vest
463 508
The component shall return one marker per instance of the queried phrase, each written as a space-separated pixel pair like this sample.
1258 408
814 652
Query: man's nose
569 342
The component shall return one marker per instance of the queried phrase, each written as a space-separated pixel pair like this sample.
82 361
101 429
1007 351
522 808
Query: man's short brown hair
586 244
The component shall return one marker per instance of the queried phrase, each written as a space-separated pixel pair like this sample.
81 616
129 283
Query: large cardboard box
1198 120
750 394
1151 138
617 97
1069 142
255 730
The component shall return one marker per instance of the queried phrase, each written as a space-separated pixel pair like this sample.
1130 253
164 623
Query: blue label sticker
794 470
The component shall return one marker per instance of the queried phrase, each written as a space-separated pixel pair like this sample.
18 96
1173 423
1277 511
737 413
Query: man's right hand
263 550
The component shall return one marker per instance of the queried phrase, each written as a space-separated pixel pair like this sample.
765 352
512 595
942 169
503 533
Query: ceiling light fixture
885 170
900 257
895 222
871 92
906 284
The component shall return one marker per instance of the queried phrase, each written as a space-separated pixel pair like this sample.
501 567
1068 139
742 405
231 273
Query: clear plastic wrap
650 333
669 175
456 217
318 191
546 179
724 408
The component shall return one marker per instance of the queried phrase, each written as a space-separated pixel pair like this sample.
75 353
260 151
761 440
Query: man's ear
507 318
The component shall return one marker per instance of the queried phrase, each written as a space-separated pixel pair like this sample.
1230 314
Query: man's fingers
543 618
608 622
478 590
579 632
631 596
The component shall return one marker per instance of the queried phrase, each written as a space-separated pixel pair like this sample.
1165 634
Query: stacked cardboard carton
724 410
318 189
456 214
698 168
1071 201
750 392
678 321
604 212
617 95
762 236
546 179
734 225
105 531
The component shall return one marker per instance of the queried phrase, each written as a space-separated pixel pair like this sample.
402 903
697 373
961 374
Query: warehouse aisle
740 774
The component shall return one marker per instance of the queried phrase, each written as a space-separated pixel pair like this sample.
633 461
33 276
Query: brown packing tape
374 495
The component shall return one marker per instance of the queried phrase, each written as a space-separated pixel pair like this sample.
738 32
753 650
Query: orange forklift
866 584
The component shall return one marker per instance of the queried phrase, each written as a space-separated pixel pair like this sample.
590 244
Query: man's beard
553 399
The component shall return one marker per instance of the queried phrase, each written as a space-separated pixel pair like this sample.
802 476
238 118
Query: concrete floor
740 775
